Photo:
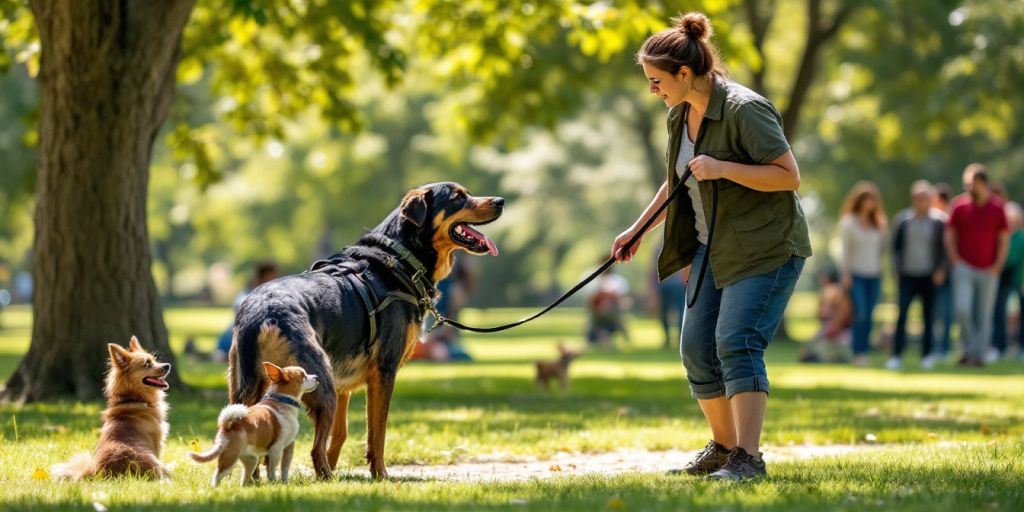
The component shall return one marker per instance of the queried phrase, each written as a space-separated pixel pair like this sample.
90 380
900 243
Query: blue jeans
943 315
673 305
910 287
1005 290
864 293
974 303
727 331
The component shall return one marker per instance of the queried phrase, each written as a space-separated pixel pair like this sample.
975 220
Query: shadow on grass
838 485
512 404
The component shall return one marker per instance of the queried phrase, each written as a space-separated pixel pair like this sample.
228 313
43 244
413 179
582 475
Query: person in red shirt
977 241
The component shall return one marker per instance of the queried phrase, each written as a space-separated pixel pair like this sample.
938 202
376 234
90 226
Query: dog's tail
210 454
80 466
227 419
244 370
230 414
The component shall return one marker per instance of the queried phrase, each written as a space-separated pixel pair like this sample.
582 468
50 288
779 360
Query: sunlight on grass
937 441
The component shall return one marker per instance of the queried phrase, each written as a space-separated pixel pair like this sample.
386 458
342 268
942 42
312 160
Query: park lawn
940 440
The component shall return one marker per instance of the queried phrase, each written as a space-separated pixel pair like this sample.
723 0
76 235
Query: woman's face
672 89
867 204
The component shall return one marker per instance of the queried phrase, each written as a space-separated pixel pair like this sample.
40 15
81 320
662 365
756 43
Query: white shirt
685 155
862 247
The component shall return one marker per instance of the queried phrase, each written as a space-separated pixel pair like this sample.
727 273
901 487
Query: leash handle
442 320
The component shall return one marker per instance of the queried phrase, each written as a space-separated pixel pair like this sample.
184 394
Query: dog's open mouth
156 382
474 241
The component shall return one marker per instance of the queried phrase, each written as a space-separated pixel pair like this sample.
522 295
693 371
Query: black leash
442 320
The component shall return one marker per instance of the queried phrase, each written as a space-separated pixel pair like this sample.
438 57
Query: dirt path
601 464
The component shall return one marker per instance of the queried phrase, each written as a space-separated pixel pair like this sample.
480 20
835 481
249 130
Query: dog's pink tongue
491 248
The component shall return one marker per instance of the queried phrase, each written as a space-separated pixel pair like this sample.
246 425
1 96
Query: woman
862 230
732 138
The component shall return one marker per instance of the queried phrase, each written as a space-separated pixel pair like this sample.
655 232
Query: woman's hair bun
694 24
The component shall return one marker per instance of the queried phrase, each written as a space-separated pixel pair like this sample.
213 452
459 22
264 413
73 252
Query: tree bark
107 78
759 15
819 32
643 125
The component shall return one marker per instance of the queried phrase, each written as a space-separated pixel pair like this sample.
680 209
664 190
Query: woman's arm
781 174
621 240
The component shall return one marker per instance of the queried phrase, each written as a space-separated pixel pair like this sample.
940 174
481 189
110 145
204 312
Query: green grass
944 440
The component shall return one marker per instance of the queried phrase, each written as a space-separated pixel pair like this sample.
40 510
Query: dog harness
420 292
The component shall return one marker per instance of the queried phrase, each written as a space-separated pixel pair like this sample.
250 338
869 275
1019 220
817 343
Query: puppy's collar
284 399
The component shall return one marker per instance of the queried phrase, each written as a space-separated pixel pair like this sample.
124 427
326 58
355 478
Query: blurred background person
977 241
831 344
1009 283
919 262
668 298
606 310
445 342
943 309
263 272
863 230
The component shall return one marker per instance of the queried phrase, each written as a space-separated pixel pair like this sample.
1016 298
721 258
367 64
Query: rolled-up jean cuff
746 384
707 391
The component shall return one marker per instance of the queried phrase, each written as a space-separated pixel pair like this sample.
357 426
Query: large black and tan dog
355 318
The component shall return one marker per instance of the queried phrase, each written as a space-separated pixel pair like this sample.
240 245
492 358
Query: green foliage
297 124
919 90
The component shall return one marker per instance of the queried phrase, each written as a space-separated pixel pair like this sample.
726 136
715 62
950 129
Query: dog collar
420 279
283 399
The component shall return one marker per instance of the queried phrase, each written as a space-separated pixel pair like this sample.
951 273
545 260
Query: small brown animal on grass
134 424
266 429
557 369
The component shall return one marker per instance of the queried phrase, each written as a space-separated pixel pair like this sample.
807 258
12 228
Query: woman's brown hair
854 203
685 44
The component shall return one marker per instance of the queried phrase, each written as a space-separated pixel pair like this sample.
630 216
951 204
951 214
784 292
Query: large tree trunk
643 126
107 79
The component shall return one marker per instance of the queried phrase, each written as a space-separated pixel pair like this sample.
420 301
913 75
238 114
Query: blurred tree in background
296 125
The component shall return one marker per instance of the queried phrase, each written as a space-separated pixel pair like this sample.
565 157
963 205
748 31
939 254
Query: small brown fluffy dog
267 428
134 424
557 369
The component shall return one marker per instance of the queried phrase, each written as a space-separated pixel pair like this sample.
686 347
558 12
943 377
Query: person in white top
863 231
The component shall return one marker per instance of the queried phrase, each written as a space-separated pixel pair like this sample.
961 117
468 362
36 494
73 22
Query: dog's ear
414 207
133 345
118 355
273 371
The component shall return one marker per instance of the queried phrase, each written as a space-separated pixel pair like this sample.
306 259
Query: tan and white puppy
267 428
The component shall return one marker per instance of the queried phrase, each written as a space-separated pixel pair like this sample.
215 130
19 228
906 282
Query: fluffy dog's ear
414 207
133 345
273 371
118 355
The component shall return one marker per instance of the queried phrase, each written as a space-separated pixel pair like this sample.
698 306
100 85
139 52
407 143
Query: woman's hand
620 241
846 281
706 168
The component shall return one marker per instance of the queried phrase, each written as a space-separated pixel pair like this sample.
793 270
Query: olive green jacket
756 232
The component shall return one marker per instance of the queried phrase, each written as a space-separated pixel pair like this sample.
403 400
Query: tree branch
759 22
